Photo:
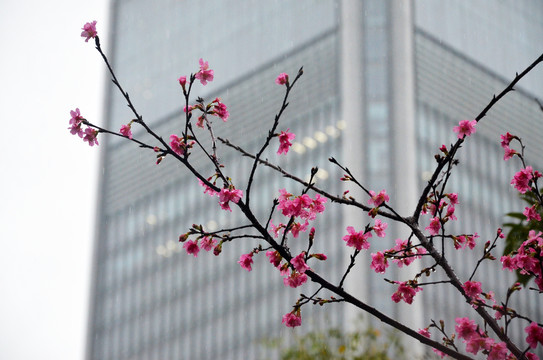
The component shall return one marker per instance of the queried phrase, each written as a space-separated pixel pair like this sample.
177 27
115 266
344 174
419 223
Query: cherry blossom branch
270 134
459 142
333 198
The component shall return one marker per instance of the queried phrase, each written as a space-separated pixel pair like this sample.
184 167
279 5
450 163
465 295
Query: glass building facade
150 300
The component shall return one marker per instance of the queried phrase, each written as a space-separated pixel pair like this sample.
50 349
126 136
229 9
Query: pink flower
294 279
207 189
453 198
378 199
178 144
220 110
472 289
434 227
297 227
182 81
498 352
358 240
285 141
424 332
531 213
477 343
208 243
379 262
205 74
226 195
506 139
282 79
274 257
292 320
535 335
191 247
521 180
465 128
246 260
379 228
126 131
89 31
466 328
299 264
90 136
508 153
76 122
405 292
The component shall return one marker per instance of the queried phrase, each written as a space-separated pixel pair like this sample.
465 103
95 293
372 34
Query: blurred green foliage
335 344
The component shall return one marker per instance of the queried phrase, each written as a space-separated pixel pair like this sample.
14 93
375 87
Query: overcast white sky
48 183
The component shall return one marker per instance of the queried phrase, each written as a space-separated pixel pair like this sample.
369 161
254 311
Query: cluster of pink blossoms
226 195
303 207
477 341
528 258
285 139
505 141
178 144
193 248
89 135
522 179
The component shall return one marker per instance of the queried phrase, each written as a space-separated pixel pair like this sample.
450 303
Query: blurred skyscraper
384 83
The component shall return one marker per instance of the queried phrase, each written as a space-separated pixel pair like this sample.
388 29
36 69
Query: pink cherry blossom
207 189
453 198
226 195
220 110
191 246
182 81
285 139
380 228
506 139
379 262
297 227
404 253
89 31
378 199
76 122
466 328
294 279
434 227
282 79
477 343
90 136
531 213
246 260
472 289
465 128
498 352
535 335
126 131
178 144
521 180
508 153
292 320
274 257
299 264
208 243
358 240
424 332
405 292
205 74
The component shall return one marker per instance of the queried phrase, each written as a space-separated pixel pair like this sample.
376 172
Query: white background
48 176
